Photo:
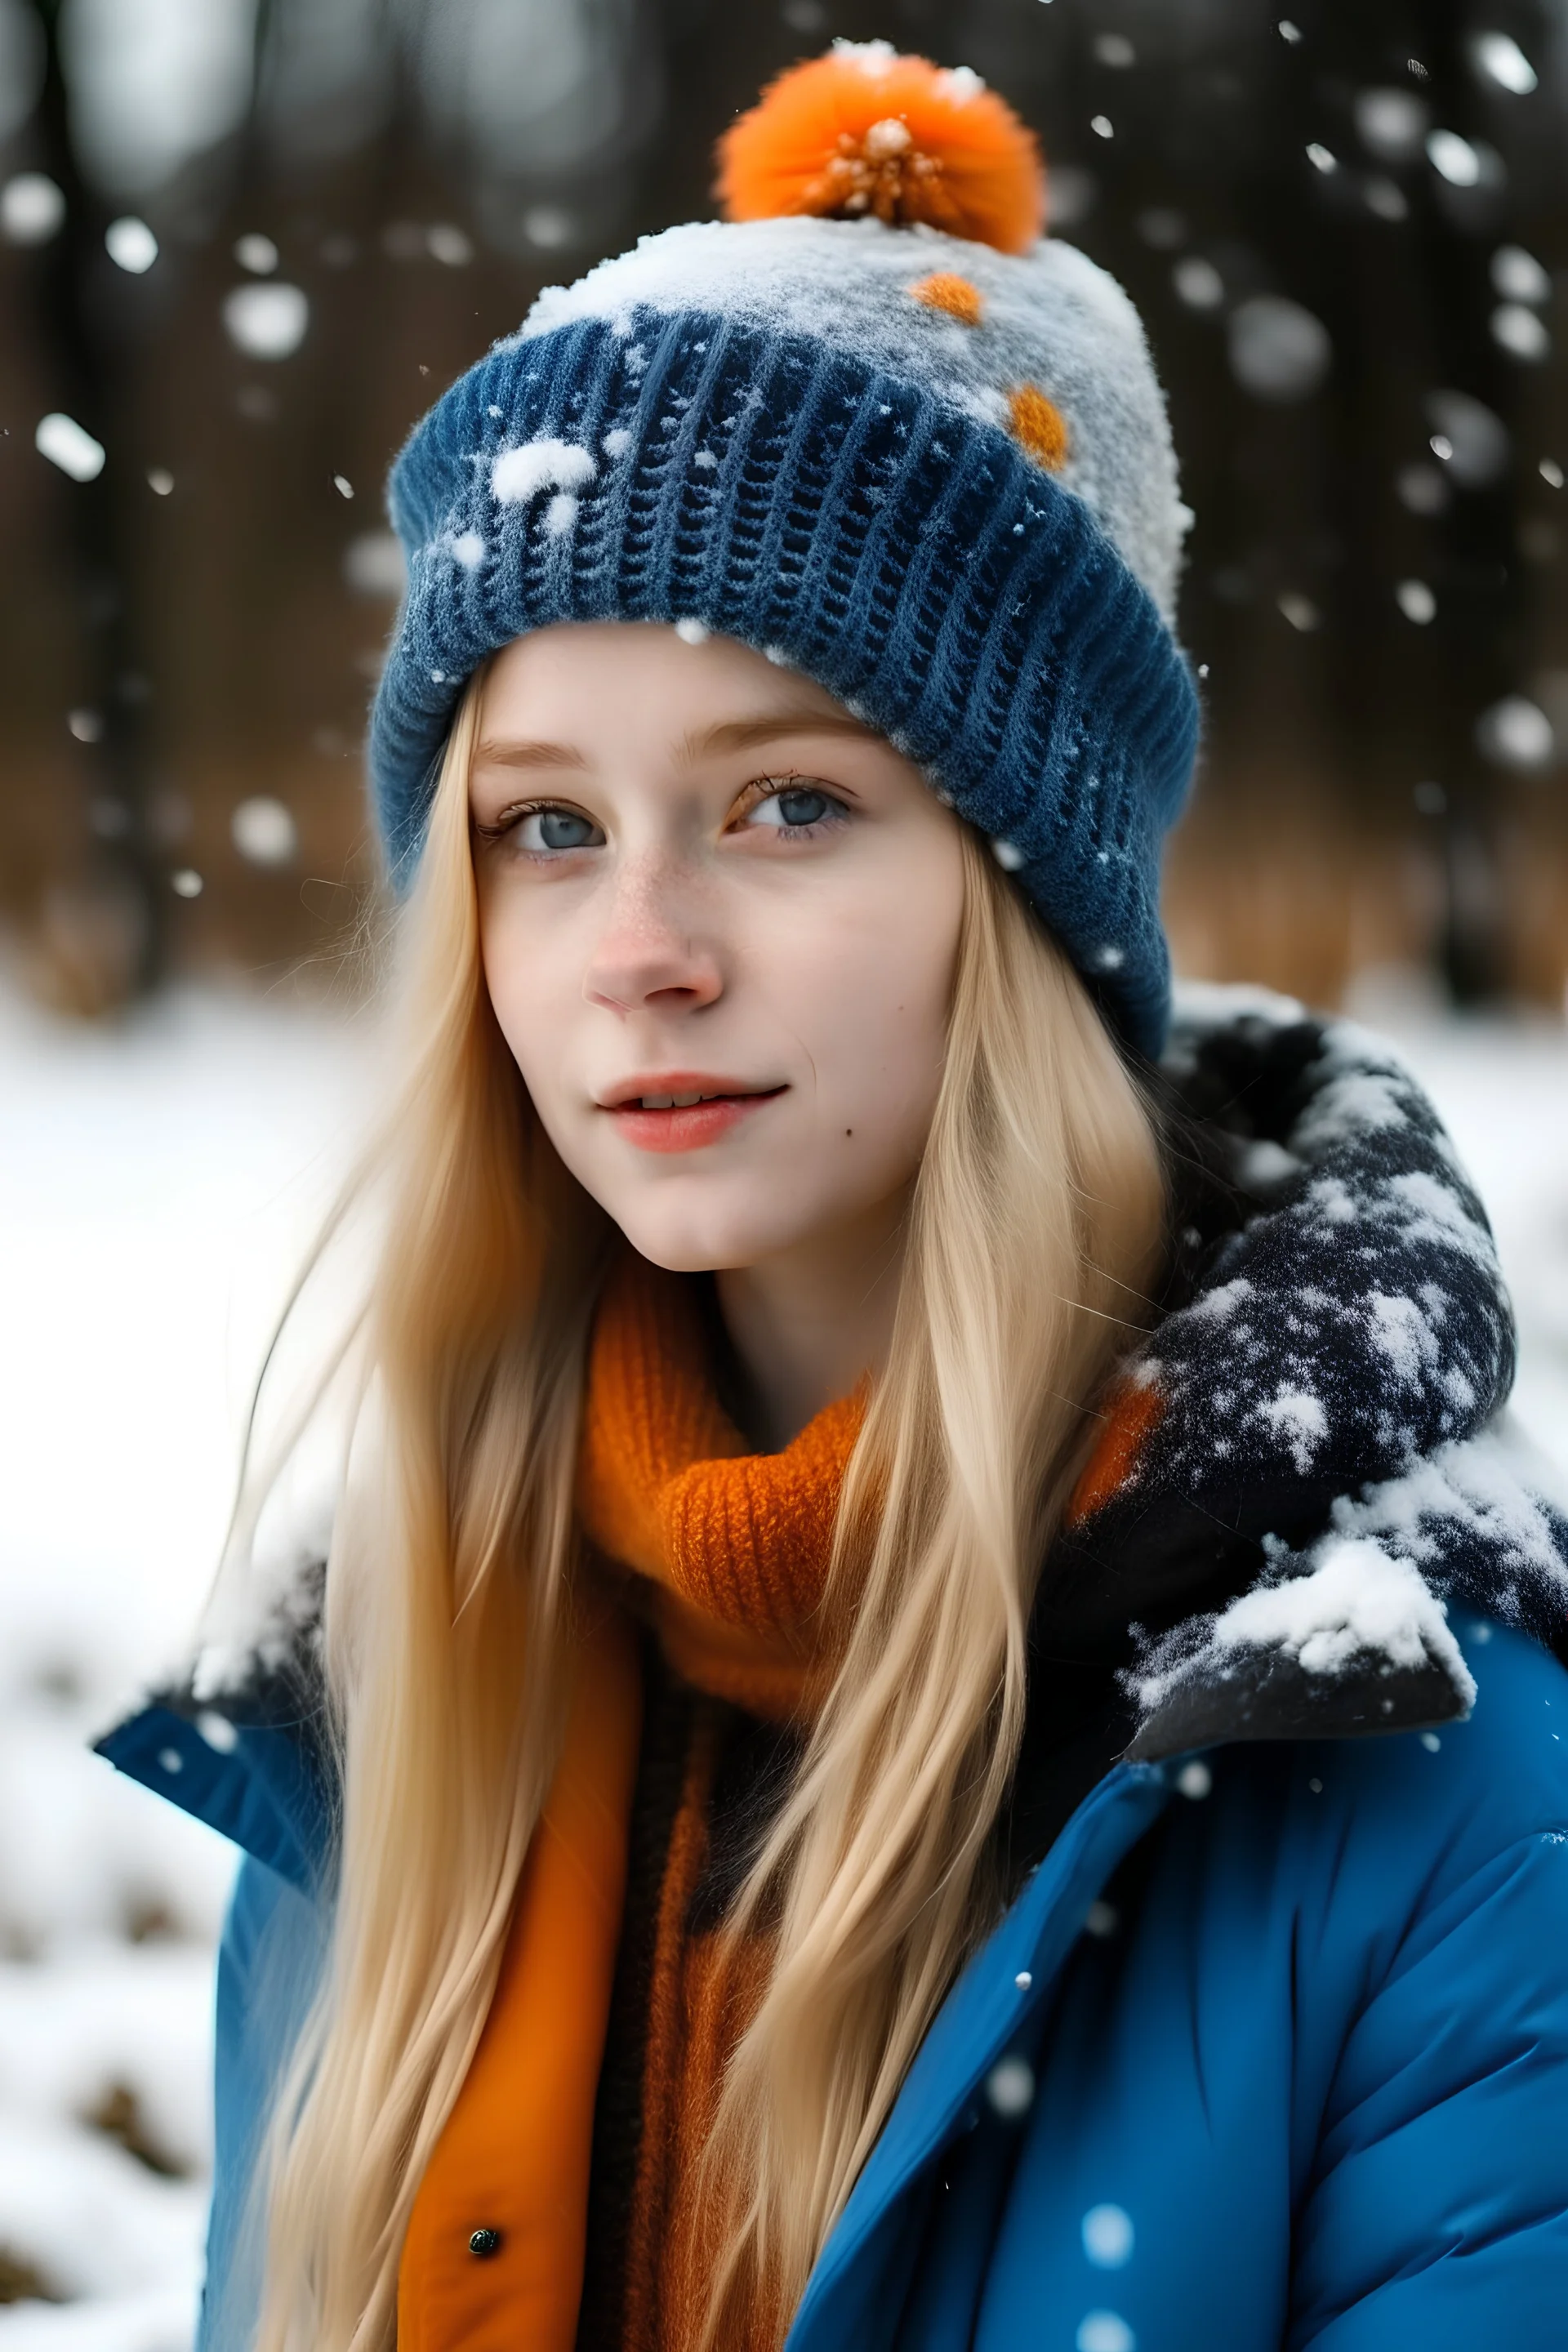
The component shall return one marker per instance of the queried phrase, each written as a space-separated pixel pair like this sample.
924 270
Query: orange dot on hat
944 289
1039 426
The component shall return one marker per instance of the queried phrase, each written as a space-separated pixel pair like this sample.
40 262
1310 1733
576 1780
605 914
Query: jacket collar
1316 1464
1320 1464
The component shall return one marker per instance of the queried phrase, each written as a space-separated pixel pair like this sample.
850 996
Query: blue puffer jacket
1271 2048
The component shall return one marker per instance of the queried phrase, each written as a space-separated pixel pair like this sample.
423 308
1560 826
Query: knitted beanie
877 426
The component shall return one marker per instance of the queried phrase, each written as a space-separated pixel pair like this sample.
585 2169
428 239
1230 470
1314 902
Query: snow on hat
877 425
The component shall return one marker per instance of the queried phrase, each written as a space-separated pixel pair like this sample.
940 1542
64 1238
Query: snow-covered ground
156 1184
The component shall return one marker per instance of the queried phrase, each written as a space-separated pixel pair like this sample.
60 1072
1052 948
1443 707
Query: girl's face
720 921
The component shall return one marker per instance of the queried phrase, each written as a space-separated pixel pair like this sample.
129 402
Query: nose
646 958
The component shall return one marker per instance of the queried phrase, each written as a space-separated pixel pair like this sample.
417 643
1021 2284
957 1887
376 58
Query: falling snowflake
266 320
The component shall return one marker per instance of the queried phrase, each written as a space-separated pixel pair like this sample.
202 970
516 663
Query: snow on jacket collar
1327 1468
1329 1465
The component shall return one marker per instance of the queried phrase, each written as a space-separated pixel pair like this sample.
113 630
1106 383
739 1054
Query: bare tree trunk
1484 588
122 885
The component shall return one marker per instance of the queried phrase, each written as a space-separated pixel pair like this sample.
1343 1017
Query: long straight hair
1035 1230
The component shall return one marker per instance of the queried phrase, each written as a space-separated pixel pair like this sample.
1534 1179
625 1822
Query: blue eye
558 828
795 807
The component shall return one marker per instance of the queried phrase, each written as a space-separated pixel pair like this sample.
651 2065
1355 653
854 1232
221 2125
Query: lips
683 1110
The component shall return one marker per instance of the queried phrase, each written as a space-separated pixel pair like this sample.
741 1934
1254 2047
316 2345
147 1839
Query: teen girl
815 1792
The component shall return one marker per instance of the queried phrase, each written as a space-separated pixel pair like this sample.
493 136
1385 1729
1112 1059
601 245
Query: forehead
580 676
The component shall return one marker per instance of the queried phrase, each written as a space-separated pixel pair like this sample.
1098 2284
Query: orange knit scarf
729 1553
734 1545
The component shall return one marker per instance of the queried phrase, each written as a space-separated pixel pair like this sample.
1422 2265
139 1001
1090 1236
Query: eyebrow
741 734
528 755
728 735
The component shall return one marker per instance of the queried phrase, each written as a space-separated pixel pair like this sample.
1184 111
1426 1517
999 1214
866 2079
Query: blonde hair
1035 1230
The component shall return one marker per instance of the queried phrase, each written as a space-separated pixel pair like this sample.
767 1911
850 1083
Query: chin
699 1241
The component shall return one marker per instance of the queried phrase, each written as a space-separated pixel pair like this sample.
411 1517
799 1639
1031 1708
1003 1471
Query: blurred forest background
243 243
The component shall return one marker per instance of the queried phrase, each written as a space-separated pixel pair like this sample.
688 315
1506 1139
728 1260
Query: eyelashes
804 806
546 829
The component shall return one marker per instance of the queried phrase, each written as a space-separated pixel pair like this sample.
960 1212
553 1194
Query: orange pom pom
864 130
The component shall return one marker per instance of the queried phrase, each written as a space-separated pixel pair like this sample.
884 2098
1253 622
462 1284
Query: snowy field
156 1186
156 1183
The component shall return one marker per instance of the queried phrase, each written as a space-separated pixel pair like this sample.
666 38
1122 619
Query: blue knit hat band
905 554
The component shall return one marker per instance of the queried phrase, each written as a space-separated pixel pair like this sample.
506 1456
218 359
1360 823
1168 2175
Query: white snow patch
617 441
1264 1164
1219 1304
157 2319
87 2216
1333 1201
1485 1485
469 549
1359 1102
1298 1417
102 2015
560 515
1402 1334
876 60
983 402
1209 1004
1357 1599
520 473
1436 1213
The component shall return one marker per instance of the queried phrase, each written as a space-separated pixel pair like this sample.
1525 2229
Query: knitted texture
734 1545
956 510
704 1988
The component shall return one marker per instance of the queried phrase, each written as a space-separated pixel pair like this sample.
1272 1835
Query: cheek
877 991
524 982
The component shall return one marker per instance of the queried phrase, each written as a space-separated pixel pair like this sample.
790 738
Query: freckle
848 1130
